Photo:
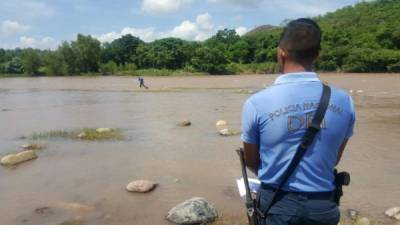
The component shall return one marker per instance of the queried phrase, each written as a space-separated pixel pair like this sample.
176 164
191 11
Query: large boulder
141 186
14 159
193 211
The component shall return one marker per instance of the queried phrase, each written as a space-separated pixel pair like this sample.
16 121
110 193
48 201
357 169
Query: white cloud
146 34
27 42
163 6
41 43
204 21
198 30
25 8
9 27
241 30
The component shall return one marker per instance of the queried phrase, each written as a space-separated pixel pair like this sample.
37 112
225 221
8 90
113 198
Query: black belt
326 195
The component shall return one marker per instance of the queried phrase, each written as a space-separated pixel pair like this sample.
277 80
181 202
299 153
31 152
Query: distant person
274 122
141 83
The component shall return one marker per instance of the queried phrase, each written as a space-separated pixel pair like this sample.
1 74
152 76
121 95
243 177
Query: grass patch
88 134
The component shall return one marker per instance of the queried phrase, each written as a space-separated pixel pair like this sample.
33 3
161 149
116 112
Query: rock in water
221 124
81 135
103 130
33 146
393 212
353 214
14 159
227 132
185 123
141 186
193 211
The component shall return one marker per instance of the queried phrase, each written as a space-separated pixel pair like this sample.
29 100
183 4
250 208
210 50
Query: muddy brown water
186 162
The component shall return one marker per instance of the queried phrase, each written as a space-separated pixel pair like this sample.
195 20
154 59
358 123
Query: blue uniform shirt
276 119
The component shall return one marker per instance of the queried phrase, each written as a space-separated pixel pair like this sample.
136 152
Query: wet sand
187 162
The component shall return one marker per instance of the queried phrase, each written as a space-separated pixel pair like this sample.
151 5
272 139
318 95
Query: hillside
360 38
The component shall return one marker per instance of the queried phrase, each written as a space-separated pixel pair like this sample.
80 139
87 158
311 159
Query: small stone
227 132
352 214
13 159
397 216
141 186
193 211
103 130
221 124
392 211
185 123
360 91
363 221
33 146
81 135
43 210
224 132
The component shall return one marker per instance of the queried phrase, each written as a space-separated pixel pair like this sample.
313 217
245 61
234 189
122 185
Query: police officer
275 119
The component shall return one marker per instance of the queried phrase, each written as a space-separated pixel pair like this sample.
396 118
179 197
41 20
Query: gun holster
341 179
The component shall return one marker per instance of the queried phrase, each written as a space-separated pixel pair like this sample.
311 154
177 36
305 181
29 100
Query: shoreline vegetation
360 38
87 134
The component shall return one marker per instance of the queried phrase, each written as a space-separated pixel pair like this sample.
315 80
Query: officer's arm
251 157
341 150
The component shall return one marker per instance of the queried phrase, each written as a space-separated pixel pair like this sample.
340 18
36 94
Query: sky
45 23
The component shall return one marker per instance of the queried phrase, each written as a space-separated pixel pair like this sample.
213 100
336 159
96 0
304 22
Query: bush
108 68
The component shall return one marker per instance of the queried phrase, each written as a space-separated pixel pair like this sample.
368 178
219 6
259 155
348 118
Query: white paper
254 185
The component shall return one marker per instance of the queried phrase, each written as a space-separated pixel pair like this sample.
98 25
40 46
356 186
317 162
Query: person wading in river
274 122
141 83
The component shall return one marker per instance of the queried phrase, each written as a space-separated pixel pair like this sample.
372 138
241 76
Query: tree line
360 38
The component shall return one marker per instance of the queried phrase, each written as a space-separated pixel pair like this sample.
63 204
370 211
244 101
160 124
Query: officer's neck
293 67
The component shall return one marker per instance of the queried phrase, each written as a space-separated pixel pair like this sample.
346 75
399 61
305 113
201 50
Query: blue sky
45 23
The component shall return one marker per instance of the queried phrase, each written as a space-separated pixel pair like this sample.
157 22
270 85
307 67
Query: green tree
121 50
69 57
31 62
55 64
211 60
87 51
14 66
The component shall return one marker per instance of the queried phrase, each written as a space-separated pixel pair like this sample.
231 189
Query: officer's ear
281 56
281 53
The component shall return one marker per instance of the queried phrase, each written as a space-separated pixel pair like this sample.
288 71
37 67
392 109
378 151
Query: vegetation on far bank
360 38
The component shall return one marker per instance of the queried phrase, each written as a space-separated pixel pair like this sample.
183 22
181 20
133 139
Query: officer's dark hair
301 39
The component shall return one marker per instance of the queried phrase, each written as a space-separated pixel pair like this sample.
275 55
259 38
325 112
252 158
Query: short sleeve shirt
276 119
